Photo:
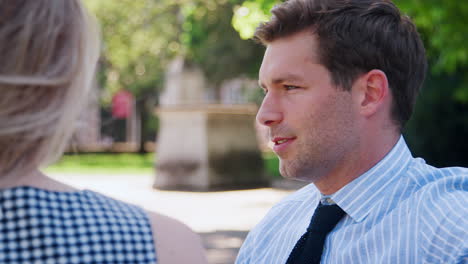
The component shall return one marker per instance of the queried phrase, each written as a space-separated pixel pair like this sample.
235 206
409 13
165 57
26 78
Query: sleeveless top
39 226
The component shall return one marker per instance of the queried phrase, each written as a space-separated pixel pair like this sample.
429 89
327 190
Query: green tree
141 37
212 43
438 128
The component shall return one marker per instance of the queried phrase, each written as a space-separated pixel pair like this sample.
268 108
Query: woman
48 54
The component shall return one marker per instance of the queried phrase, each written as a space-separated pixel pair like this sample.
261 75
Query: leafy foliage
443 26
139 36
142 36
214 45
247 17
439 126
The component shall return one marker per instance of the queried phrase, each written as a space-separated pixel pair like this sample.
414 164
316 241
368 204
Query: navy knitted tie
309 248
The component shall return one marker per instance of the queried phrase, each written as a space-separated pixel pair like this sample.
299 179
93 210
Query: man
340 80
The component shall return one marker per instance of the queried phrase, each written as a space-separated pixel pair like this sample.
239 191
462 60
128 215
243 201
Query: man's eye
290 87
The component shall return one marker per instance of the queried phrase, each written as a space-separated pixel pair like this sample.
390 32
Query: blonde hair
48 54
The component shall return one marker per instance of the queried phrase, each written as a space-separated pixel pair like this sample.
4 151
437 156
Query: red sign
122 104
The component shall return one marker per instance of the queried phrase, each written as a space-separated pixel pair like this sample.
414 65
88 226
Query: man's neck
365 157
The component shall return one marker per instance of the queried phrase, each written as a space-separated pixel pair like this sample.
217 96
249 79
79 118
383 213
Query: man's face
310 120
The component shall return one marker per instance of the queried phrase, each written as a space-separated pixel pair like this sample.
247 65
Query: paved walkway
221 218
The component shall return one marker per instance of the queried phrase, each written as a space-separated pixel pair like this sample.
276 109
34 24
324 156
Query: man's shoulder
440 210
300 195
283 209
428 177
440 182
443 180
442 197
285 217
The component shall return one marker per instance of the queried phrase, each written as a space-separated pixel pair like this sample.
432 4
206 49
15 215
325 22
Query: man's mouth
279 144
280 141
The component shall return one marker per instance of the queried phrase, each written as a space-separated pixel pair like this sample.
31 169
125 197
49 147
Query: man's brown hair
356 36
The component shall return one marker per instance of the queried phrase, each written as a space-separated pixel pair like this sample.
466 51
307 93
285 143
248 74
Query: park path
221 218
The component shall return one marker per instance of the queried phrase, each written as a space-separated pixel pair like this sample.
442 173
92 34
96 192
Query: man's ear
373 92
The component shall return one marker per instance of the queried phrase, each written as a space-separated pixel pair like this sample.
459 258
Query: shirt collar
326 200
358 197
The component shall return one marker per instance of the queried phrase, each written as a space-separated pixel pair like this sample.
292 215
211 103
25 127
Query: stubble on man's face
325 137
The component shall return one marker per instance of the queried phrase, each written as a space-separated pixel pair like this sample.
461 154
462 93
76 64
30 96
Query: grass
104 163
126 163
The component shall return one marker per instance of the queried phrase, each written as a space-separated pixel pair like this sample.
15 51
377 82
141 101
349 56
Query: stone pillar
204 146
185 85
208 147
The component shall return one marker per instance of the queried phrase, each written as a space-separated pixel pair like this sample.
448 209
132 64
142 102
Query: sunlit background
115 148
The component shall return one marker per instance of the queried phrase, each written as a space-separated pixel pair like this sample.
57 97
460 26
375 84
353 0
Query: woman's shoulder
175 241
82 225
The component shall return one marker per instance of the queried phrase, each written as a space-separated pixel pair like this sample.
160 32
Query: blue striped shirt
400 211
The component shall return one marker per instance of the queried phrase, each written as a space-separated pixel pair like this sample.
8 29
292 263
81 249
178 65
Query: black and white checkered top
39 226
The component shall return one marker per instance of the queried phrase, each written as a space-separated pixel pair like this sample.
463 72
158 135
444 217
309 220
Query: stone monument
203 146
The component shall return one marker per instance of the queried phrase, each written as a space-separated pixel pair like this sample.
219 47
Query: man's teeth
281 141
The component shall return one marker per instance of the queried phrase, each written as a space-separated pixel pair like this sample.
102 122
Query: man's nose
270 112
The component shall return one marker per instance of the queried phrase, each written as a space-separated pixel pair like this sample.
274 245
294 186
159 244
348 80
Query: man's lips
280 144
281 140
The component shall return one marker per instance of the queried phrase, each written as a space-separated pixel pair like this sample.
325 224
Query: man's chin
298 174
294 175
298 178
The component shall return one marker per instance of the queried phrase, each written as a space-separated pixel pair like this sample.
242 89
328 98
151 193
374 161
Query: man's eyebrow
283 79
289 77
